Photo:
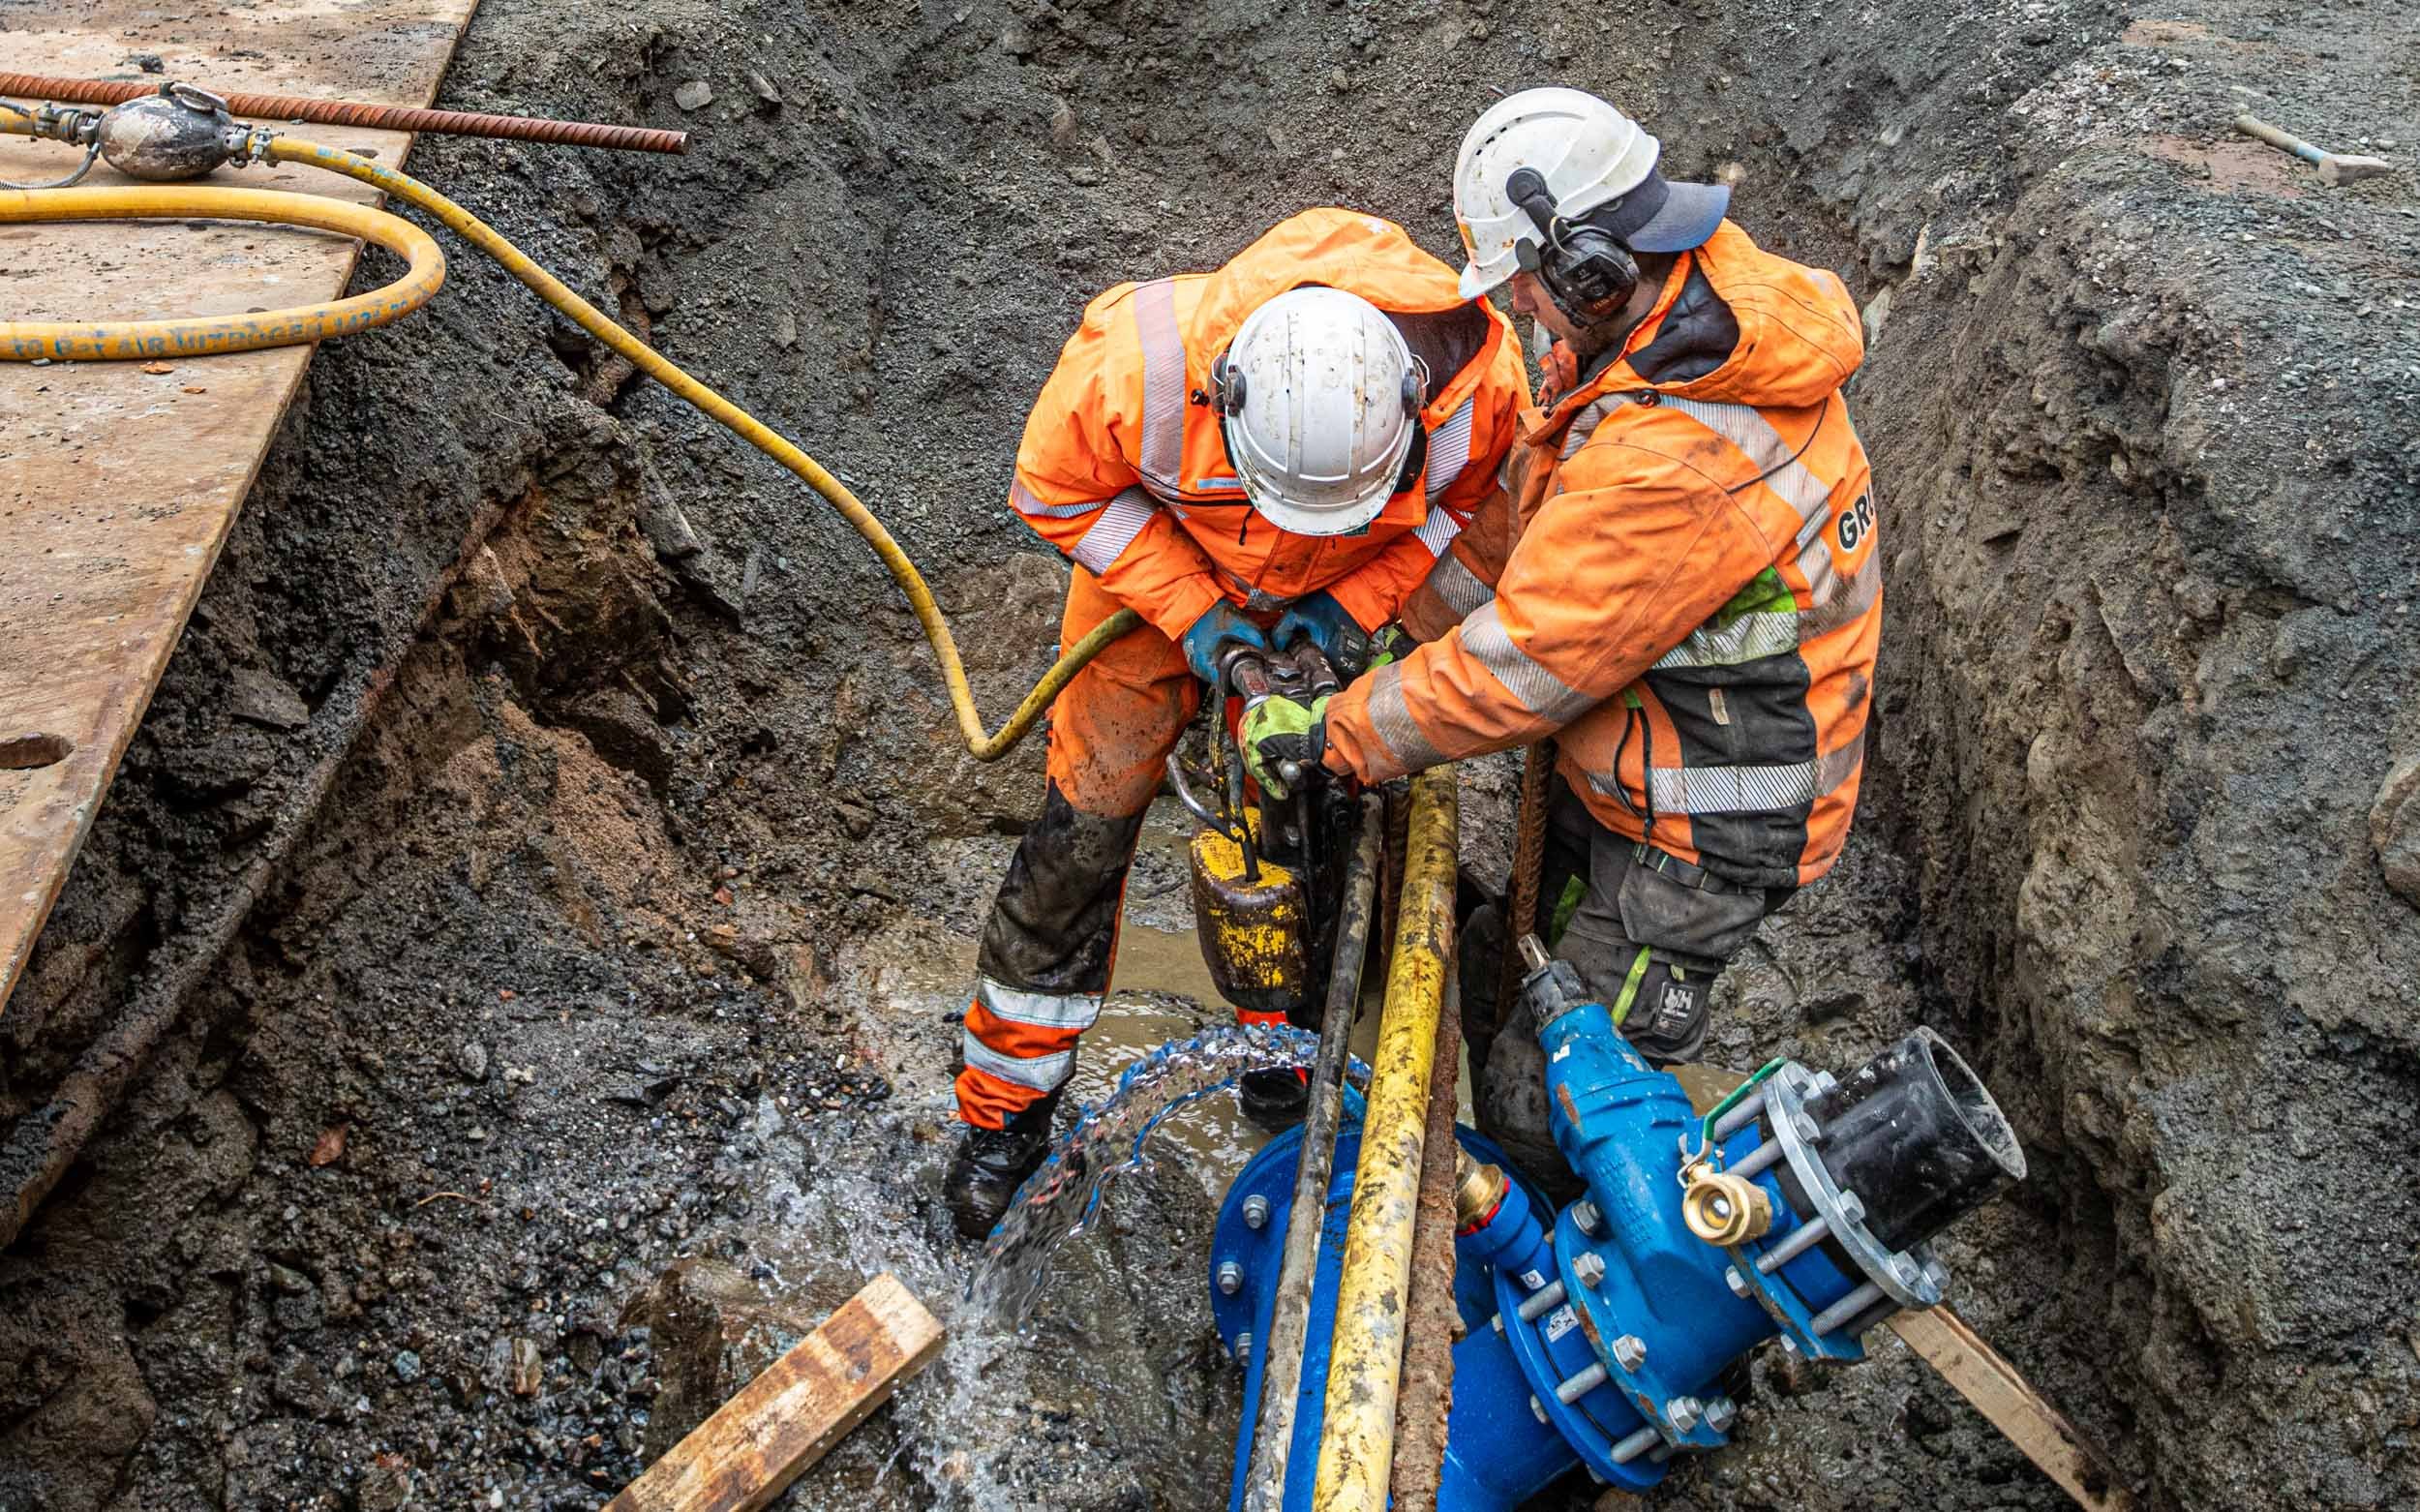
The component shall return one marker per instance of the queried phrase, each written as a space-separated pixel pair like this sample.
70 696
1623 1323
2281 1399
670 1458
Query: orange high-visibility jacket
1124 470
1679 581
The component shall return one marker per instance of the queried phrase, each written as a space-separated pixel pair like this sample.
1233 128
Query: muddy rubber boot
991 1164
1275 1101
1509 1096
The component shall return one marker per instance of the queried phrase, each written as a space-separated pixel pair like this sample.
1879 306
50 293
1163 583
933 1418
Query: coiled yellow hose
128 339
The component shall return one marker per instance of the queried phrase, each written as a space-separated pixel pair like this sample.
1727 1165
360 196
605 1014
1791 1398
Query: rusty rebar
1521 902
1430 1320
351 112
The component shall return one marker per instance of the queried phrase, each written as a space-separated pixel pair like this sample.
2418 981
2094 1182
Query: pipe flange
1903 1275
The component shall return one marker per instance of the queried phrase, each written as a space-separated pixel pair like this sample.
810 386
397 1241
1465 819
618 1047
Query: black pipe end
1917 1137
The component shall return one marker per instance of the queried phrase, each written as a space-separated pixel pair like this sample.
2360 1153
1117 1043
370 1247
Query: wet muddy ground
594 1036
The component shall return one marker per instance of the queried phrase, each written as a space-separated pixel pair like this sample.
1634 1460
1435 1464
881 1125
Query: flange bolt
1537 1408
1720 1414
1738 1283
1585 1218
1243 1348
1230 1278
1630 1351
1684 1412
1588 1267
1256 1211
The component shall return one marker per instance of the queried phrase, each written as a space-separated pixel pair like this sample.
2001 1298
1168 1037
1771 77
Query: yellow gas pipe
1365 1362
122 339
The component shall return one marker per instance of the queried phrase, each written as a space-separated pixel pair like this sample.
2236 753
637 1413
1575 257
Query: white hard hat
1321 400
1591 155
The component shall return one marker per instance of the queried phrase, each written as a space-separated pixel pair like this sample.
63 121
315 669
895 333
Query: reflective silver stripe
1583 424
1734 790
1864 586
1745 639
1540 691
1457 586
1391 718
1042 1072
1449 452
1745 428
1120 521
1770 634
1438 530
1041 1009
1815 561
1032 508
1162 448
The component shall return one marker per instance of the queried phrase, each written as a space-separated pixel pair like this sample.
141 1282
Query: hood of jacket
1737 324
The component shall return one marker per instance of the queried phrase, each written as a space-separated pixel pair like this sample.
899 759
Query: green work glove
1390 643
1278 729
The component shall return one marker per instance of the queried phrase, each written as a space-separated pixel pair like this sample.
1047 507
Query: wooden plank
118 487
1983 1378
784 1420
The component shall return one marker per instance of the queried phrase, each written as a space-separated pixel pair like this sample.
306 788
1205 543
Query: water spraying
1064 1197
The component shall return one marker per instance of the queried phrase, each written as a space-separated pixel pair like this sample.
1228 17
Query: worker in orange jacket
1278 449
1679 581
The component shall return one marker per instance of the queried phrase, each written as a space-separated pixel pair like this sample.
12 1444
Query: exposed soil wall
627 931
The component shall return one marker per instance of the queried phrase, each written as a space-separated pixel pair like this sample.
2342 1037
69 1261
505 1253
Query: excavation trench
569 1022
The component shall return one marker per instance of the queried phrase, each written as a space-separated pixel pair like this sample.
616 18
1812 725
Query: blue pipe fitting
1597 1336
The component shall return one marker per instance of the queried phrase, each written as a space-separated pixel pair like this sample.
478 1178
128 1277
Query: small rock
266 699
785 330
472 1061
383 1489
1063 126
2395 828
407 1365
1340 80
695 95
152 63
1017 39
763 88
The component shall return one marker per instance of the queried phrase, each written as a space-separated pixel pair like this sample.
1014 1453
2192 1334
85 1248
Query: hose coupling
49 122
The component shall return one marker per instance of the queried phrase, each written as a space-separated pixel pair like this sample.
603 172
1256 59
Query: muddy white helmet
1591 155
1320 400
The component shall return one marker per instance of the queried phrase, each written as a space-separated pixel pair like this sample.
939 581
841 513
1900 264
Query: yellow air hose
109 340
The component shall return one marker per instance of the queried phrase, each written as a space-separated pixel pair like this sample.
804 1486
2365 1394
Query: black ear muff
1587 269
1227 385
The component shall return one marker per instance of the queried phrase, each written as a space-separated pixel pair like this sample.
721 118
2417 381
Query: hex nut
1589 1268
1630 1351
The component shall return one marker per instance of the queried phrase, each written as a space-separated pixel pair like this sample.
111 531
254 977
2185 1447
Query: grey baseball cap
1664 215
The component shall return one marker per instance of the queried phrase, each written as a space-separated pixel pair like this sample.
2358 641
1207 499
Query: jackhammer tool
1267 877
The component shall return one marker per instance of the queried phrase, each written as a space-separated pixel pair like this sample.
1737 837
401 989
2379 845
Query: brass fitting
1478 1187
1724 1209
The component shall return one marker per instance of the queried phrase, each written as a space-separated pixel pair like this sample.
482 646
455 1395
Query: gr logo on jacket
1680 580
1124 469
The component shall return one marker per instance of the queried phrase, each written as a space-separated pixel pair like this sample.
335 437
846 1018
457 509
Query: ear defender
1226 386
1588 270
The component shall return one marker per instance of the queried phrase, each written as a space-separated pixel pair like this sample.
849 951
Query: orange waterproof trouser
1050 942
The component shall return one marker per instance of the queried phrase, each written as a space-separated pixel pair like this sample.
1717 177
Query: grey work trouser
1651 932
1647 932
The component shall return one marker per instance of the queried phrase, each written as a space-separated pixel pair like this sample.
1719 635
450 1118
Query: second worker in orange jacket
1679 581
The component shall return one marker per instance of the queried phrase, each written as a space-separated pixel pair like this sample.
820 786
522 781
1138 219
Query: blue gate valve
1597 1337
